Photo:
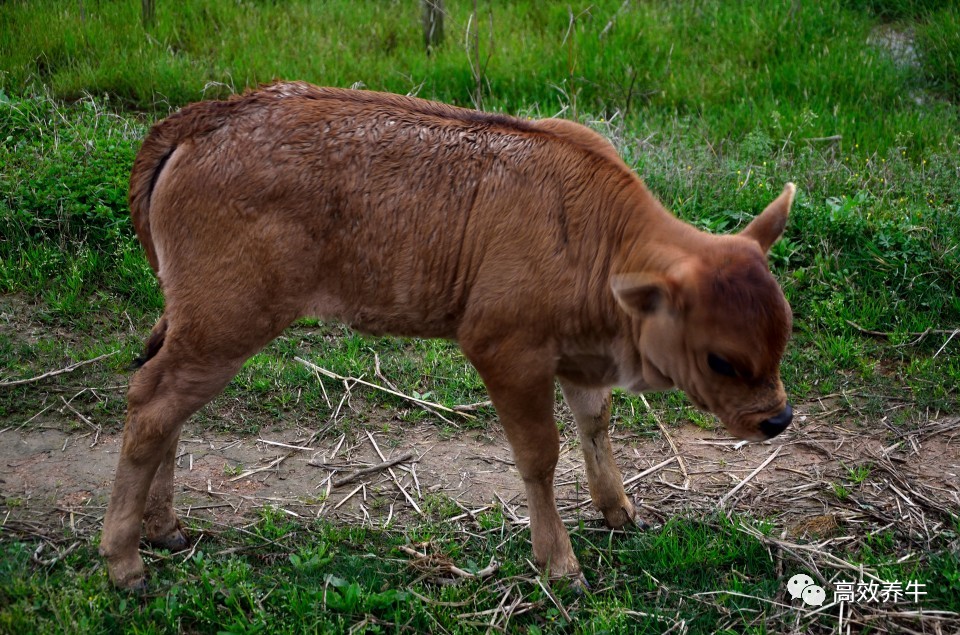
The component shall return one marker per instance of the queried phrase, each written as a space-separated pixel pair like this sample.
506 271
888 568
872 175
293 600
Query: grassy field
716 105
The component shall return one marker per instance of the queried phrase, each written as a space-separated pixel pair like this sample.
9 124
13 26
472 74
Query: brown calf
528 242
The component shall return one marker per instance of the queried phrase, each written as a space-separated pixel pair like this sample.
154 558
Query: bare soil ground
56 475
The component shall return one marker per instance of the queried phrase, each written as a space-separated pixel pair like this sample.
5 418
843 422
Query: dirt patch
897 42
816 478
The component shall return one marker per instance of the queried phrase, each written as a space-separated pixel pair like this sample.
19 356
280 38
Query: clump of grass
938 44
895 9
65 233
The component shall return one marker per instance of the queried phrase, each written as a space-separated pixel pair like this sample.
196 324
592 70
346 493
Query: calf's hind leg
175 383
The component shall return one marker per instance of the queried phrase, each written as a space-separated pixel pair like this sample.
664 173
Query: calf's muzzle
778 423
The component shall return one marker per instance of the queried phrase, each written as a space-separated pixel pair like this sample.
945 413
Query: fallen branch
919 335
278 460
393 475
756 471
96 428
367 470
265 468
51 561
349 496
442 563
650 470
673 446
952 335
421 402
298 448
54 373
795 549
383 378
470 407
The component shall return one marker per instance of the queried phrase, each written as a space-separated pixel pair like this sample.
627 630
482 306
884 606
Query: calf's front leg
522 392
591 411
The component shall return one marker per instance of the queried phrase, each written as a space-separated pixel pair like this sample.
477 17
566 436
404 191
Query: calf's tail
153 156
190 123
154 343
163 140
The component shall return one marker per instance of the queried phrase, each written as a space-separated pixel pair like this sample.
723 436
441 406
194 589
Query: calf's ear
767 228
641 294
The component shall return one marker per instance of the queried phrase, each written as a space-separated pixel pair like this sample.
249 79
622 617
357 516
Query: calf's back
390 213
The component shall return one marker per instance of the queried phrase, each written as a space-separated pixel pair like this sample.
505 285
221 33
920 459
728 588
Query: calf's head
715 324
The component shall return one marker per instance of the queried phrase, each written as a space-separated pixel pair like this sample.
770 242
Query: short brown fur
529 242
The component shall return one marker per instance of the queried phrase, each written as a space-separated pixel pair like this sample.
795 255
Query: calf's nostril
777 424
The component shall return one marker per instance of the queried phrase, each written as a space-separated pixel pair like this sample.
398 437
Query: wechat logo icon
802 586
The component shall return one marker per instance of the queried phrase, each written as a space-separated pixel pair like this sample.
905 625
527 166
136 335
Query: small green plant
232 470
841 492
311 558
859 473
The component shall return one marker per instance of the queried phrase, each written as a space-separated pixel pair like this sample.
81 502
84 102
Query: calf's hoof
561 567
571 575
622 515
127 573
580 585
173 540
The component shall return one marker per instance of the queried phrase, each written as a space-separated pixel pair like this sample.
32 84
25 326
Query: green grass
716 105
279 575
728 67
938 41
66 234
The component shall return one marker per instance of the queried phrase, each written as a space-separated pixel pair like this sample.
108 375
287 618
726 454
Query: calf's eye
721 366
